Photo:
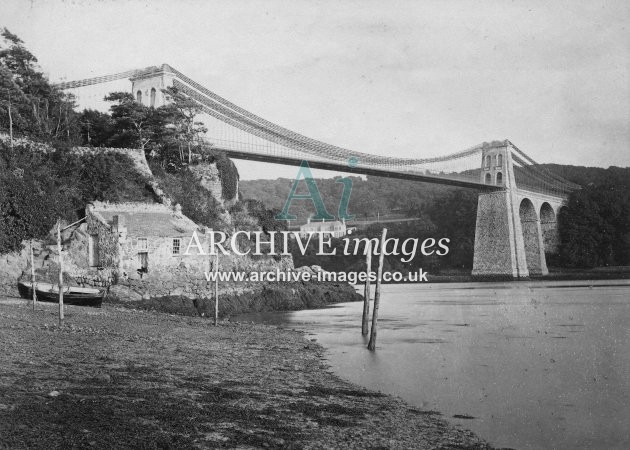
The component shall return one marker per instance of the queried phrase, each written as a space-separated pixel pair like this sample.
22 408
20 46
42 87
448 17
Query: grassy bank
120 378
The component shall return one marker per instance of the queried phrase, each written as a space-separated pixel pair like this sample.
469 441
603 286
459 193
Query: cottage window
176 246
142 244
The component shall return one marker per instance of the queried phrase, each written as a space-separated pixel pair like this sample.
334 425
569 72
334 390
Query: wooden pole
216 289
366 292
60 274
377 294
33 276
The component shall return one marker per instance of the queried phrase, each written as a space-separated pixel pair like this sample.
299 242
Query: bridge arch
549 228
530 225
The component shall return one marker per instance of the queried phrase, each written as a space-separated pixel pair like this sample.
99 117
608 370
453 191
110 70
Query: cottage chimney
308 219
178 210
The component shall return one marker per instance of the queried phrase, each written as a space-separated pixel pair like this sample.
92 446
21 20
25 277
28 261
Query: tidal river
523 364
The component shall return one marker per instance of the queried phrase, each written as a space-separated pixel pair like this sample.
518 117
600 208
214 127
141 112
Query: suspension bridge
518 202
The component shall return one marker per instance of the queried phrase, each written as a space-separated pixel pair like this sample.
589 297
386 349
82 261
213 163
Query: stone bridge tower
147 88
515 227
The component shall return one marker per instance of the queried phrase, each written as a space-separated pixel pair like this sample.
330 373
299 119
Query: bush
185 188
37 188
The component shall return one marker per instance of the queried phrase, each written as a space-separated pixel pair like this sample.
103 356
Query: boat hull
70 297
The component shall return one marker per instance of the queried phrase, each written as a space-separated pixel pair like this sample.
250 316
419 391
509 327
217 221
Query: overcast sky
408 78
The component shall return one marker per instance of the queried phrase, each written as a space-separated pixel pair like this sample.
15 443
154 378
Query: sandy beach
115 377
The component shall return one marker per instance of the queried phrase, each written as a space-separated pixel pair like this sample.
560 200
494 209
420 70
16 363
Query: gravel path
136 379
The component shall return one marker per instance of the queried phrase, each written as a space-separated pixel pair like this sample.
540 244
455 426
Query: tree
41 109
456 218
96 128
185 110
132 121
10 94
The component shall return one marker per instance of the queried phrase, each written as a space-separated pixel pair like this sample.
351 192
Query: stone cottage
135 240
334 228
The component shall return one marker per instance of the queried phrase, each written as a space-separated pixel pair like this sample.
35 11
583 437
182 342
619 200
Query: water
535 365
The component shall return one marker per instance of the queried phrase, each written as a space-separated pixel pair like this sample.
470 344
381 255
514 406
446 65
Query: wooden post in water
216 289
366 293
377 293
33 276
60 274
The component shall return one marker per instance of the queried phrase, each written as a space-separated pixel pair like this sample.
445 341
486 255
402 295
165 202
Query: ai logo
314 196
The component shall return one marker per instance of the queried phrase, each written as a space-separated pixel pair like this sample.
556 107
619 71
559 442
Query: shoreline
116 376
621 273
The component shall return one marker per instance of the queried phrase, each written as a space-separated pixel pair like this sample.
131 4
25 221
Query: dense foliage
265 218
168 134
37 188
595 228
185 188
617 177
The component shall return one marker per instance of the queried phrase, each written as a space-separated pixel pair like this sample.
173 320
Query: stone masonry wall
108 250
12 265
493 249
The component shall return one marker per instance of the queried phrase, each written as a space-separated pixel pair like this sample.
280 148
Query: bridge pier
515 227
499 244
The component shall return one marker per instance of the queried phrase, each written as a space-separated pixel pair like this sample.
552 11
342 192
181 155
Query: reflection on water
525 365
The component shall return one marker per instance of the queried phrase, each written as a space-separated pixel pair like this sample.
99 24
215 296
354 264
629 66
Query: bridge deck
360 170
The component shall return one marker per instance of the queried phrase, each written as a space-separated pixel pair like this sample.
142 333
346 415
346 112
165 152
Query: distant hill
369 197
404 198
593 176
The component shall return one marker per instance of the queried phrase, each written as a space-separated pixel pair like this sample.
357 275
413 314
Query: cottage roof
145 220
323 226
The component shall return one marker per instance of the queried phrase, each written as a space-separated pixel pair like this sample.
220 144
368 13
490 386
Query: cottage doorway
93 255
144 261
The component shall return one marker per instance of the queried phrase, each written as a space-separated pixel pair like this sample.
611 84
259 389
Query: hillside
594 228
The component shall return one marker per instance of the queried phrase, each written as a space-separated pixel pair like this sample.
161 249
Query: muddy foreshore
116 377
244 298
